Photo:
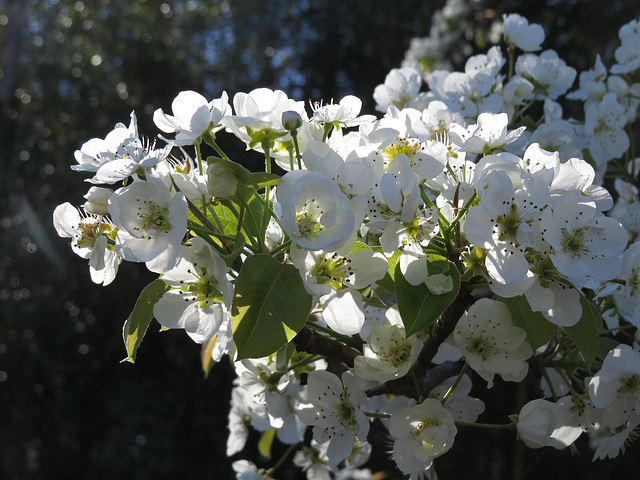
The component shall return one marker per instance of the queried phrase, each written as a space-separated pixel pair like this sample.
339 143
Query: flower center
154 218
332 270
345 411
573 242
508 224
480 346
307 225
629 385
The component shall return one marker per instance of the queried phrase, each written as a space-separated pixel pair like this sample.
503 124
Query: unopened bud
222 181
291 120
97 200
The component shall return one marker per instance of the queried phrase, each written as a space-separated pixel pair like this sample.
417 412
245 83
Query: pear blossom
151 223
519 33
92 238
97 151
616 387
536 422
604 126
200 293
501 223
334 411
489 134
258 116
193 116
627 207
422 433
345 114
549 73
491 343
400 88
387 354
628 53
315 212
585 243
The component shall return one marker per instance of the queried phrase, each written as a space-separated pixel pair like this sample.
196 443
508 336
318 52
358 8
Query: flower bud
537 421
97 200
291 120
222 181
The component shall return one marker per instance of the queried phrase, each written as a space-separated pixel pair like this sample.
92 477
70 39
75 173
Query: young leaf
136 325
266 440
585 333
205 355
418 307
539 329
269 308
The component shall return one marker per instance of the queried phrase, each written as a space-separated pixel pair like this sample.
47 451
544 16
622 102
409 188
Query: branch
312 342
442 328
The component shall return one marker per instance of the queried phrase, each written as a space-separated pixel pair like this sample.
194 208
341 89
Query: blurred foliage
70 70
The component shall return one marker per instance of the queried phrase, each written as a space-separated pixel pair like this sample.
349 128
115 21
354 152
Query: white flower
192 117
334 410
627 207
616 387
258 116
501 223
345 114
400 88
585 243
315 212
519 33
421 433
628 53
200 294
604 126
549 73
489 134
96 152
491 343
151 223
387 354
536 422
92 238
246 470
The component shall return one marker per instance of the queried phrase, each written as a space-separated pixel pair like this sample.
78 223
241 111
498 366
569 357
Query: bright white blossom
200 293
334 411
421 433
491 343
151 222
193 116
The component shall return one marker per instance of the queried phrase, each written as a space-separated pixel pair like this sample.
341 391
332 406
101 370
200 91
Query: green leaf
418 307
269 308
265 442
136 325
359 246
585 333
539 329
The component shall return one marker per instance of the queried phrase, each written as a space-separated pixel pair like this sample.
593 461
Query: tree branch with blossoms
399 260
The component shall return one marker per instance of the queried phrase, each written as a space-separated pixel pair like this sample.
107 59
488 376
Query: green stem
305 361
377 415
294 135
266 213
452 388
282 459
504 426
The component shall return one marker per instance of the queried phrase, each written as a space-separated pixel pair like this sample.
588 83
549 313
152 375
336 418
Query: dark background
70 70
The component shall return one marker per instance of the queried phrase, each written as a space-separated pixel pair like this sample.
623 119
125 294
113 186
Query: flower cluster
457 237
